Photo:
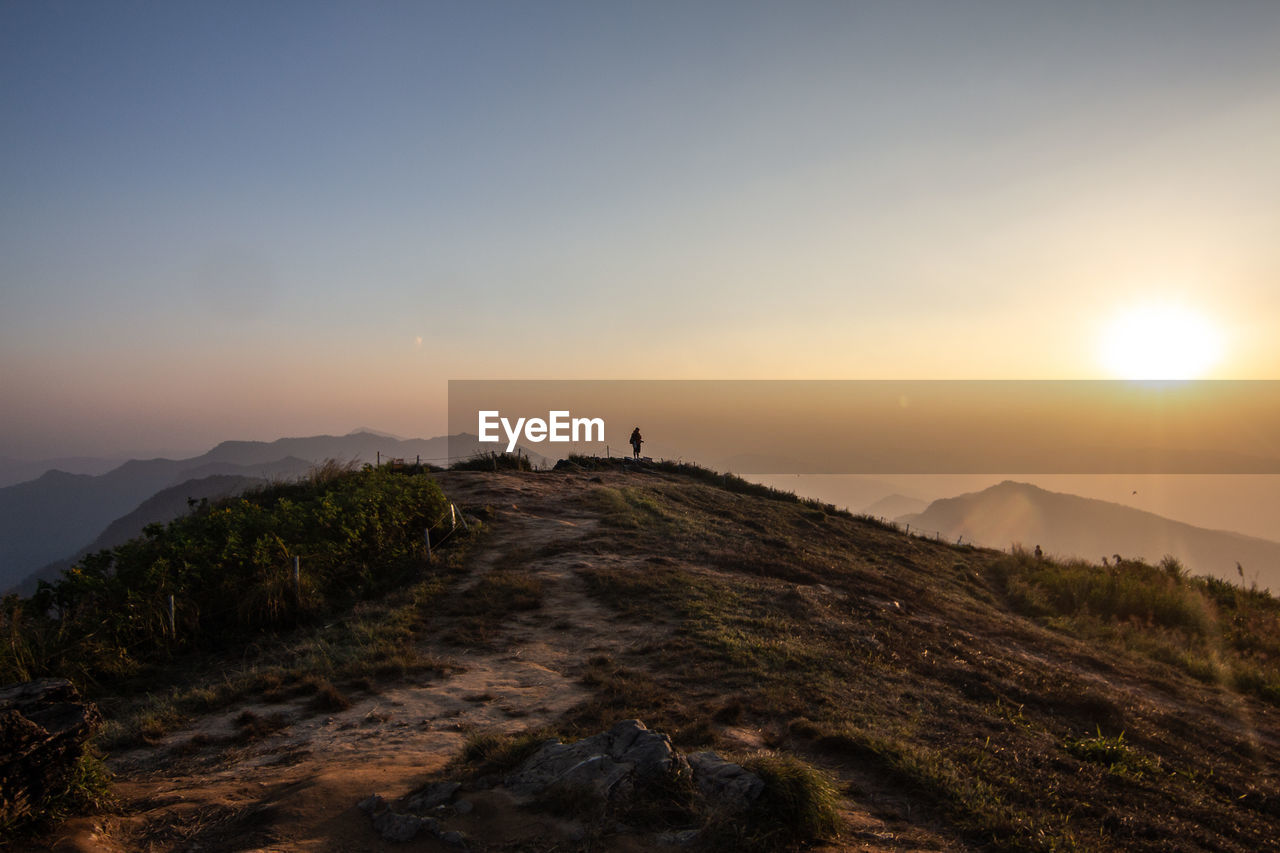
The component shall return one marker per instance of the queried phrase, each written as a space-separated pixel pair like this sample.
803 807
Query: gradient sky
254 219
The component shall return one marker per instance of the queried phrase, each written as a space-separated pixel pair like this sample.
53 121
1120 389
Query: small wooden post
426 537
453 517
419 460
297 578
908 529
379 458
173 622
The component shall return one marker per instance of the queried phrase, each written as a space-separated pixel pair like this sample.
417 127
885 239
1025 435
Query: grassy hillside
222 573
952 697
1026 704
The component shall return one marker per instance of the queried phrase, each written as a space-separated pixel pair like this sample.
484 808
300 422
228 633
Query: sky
249 220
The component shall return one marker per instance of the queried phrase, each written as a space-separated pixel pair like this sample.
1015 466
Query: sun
1160 341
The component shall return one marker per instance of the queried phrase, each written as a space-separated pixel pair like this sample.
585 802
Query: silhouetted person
636 441
1039 553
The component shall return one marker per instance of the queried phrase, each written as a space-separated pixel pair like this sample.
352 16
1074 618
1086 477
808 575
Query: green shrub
229 569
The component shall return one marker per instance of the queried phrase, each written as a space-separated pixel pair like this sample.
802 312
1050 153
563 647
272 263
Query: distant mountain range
1069 525
54 517
162 507
20 470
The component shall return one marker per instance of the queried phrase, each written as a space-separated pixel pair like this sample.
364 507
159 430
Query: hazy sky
247 220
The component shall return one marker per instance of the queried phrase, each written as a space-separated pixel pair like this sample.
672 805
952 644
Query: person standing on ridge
636 441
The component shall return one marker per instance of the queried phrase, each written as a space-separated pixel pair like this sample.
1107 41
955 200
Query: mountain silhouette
1069 525
162 507
892 506
20 470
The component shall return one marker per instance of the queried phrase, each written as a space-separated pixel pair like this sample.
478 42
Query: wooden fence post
173 622
297 578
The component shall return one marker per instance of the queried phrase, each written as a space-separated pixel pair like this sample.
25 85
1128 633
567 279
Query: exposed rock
396 826
393 825
604 764
372 804
607 767
725 784
435 794
453 837
43 728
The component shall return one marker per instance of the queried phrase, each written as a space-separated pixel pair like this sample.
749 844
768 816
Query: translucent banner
883 426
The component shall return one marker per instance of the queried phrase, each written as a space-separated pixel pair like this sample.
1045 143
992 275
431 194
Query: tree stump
43 728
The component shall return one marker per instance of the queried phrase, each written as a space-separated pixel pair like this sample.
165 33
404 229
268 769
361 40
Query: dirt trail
296 789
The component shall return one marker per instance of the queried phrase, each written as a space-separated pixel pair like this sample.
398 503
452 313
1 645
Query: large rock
43 728
726 785
604 764
607 768
435 794
393 825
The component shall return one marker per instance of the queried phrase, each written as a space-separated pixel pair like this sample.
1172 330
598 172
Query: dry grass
915 663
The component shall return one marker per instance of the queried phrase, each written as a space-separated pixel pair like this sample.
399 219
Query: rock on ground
725 784
610 766
627 754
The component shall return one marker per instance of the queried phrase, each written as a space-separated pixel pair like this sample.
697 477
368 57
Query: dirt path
295 788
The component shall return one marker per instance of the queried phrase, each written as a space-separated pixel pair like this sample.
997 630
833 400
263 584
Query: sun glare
1160 341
